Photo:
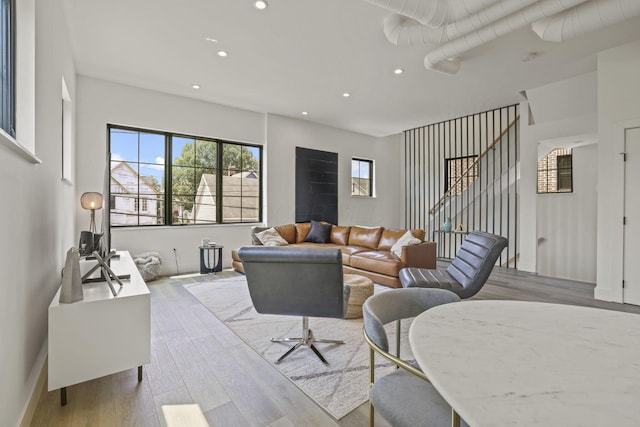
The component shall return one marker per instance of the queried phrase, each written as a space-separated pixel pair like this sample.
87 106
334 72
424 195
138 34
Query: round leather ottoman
361 289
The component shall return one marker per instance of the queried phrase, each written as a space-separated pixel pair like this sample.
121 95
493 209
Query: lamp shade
91 200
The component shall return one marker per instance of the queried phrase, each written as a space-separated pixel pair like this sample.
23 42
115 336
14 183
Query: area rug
339 387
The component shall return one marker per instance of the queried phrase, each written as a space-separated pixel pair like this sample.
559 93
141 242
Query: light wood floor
196 359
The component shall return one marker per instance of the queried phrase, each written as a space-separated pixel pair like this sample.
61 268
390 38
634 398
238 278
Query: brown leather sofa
365 250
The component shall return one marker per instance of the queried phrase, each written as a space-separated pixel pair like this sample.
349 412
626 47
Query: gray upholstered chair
405 397
306 282
468 271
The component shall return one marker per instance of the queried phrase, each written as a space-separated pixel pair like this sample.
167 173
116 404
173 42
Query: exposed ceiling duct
433 13
454 27
404 31
438 59
587 17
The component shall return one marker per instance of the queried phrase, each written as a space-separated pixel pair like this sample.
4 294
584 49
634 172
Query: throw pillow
340 235
271 237
407 239
255 230
319 233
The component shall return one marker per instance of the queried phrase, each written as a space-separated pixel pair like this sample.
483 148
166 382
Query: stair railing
466 172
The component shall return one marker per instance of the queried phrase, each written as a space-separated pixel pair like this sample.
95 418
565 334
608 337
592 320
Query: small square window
555 172
361 177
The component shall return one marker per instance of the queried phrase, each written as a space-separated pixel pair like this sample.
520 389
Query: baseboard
31 405
606 294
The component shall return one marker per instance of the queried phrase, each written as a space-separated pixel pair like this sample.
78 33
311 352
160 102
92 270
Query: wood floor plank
162 372
253 401
134 402
216 327
226 415
201 381
178 396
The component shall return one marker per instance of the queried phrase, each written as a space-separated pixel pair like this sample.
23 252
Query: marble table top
516 363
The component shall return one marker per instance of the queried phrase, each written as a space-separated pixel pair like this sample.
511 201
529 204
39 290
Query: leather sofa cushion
288 232
419 233
390 236
340 235
347 251
367 237
302 229
382 262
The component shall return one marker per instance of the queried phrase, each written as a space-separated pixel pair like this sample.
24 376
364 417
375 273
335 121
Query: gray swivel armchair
306 282
468 271
405 397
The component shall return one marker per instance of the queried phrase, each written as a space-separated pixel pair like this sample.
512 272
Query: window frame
167 197
8 61
548 173
371 177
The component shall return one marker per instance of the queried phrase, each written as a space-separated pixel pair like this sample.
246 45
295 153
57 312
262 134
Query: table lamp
91 201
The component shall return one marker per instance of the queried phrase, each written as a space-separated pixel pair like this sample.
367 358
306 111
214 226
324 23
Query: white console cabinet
101 334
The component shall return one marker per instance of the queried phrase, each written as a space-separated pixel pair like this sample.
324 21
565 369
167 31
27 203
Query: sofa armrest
422 255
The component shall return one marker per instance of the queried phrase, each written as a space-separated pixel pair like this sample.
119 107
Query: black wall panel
316 185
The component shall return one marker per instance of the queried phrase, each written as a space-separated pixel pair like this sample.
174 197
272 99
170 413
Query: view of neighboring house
240 199
134 201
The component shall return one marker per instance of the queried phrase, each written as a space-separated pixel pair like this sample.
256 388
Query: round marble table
515 363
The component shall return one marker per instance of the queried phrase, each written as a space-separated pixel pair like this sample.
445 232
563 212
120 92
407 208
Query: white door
631 269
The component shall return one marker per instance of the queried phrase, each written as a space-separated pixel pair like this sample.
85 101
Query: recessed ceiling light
261 4
346 94
398 71
195 86
223 53
304 113
211 39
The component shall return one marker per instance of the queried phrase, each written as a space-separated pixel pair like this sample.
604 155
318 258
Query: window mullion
168 179
219 195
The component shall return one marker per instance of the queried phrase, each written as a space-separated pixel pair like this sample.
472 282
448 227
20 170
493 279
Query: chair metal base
307 340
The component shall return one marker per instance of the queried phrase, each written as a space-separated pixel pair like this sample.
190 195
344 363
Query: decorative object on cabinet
71 288
106 273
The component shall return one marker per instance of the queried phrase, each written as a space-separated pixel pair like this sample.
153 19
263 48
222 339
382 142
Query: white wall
552 225
102 102
285 134
527 198
36 219
618 102
567 223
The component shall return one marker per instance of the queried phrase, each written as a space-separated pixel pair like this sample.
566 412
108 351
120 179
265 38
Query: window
460 173
361 177
7 67
160 178
555 172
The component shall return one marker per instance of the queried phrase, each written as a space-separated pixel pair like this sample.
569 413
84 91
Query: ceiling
302 55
